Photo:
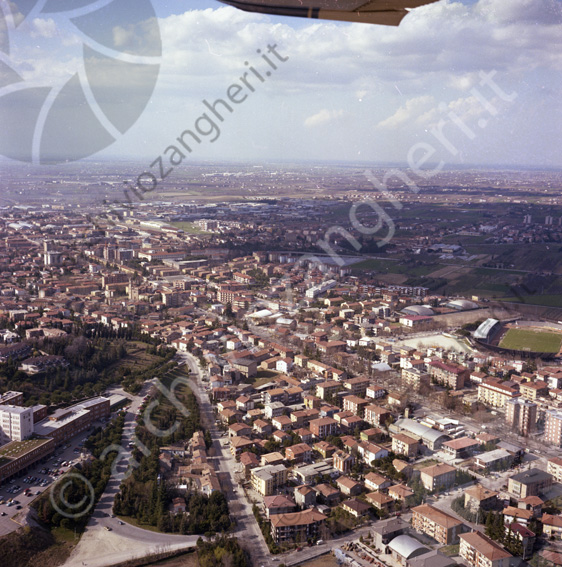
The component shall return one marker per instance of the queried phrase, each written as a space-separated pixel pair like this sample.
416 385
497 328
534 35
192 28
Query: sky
457 83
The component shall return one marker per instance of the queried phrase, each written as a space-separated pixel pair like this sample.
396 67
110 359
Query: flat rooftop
16 449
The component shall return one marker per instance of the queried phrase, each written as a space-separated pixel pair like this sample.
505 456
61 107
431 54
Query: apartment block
438 477
442 527
554 467
479 550
532 390
376 415
521 415
414 377
404 445
553 427
529 483
355 405
493 393
449 375
265 480
297 527
323 427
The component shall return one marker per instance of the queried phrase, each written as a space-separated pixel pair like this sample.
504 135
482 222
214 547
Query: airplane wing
383 12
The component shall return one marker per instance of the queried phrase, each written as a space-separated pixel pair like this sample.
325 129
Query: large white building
16 423
316 290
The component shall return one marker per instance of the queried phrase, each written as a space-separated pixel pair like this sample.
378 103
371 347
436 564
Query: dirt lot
325 561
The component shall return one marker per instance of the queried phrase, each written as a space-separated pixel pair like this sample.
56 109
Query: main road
246 529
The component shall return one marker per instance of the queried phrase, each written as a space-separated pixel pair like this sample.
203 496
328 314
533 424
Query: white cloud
387 82
409 112
44 28
323 117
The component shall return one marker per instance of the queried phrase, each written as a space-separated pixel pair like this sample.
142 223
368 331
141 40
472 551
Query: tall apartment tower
553 427
521 415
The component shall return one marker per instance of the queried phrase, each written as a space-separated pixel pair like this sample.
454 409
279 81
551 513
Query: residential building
442 527
327 389
299 453
552 526
355 507
343 461
377 482
449 375
553 427
438 477
375 392
355 404
401 493
479 498
348 486
305 496
371 452
532 390
461 448
357 386
554 467
323 427
403 444
529 483
381 501
521 415
278 504
493 393
297 527
265 480
377 415
479 550
415 377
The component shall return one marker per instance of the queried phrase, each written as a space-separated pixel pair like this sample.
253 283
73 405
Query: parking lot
18 493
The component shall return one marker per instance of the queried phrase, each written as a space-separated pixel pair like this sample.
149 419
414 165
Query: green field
189 227
535 341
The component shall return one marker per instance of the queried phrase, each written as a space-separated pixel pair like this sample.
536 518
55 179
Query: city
280 283
304 401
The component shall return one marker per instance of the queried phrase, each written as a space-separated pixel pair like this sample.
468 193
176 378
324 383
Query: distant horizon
92 160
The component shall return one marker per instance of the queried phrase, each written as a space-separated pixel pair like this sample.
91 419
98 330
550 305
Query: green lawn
189 227
536 341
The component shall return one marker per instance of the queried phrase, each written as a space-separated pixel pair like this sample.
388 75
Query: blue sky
457 82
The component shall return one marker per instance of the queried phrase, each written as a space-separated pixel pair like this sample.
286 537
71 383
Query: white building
16 423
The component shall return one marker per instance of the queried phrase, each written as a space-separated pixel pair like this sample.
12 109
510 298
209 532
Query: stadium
523 339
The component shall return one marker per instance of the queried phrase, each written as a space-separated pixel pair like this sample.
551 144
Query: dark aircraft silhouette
384 12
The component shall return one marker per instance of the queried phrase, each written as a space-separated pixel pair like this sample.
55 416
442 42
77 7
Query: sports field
535 341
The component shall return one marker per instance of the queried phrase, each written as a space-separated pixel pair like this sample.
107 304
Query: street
247 529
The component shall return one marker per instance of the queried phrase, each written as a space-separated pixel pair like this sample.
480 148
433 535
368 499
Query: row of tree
223 552
71 501
497 530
